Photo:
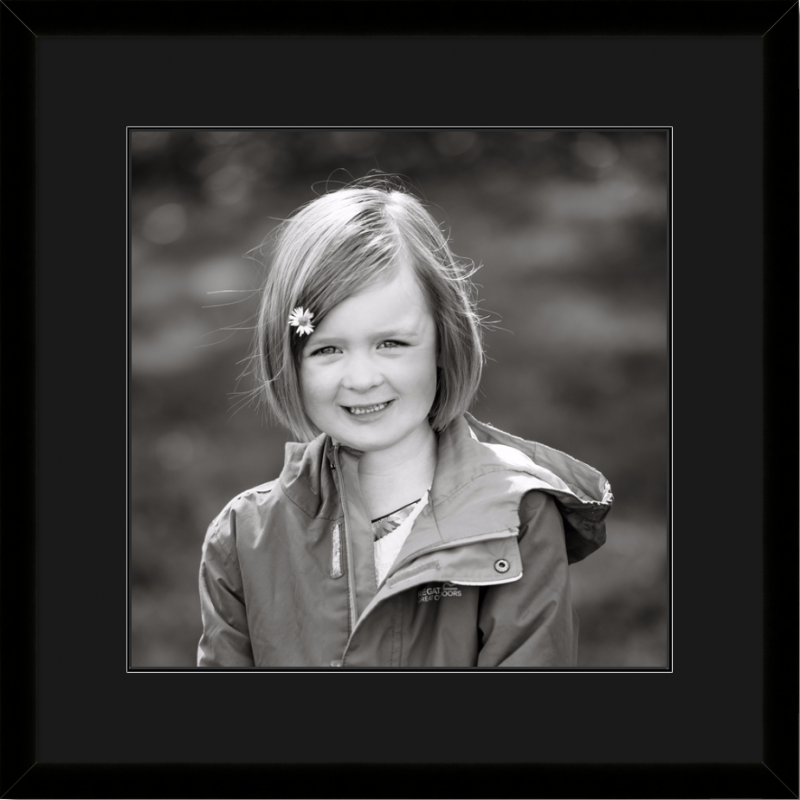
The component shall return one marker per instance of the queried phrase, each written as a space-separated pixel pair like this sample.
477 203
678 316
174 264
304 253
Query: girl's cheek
320 377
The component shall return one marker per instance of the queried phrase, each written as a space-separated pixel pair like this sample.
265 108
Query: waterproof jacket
287 577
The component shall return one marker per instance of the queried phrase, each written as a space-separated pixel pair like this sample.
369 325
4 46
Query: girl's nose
361 374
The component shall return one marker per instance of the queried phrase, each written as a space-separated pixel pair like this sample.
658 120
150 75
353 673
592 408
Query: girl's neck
393 478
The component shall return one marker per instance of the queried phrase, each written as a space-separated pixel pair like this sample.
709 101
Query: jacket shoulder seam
262 488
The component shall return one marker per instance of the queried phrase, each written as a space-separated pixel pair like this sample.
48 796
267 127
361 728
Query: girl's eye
324 351
389 344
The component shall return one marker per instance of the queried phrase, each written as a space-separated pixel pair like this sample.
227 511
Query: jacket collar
475 461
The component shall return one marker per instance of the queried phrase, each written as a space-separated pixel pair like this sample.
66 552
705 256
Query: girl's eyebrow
318 341
395 334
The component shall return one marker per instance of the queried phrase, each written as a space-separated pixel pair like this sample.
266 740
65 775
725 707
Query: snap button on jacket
287 574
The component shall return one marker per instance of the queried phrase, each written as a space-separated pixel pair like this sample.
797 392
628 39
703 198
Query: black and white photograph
400 399
357 343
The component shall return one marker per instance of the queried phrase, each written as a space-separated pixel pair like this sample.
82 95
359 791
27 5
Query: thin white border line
395 670
398 128
671 408
323 670
128 542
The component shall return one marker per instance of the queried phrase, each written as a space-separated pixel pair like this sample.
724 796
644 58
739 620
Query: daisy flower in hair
300 318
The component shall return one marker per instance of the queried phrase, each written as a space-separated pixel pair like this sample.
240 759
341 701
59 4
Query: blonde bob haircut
336 246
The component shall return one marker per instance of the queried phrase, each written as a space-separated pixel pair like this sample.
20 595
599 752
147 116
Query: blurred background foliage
571 228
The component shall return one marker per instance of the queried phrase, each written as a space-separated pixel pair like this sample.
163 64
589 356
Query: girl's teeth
368 409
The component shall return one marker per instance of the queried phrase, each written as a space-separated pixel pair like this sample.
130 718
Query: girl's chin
368 438
373 440
367 444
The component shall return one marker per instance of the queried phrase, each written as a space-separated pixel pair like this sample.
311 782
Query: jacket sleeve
226 640
531 622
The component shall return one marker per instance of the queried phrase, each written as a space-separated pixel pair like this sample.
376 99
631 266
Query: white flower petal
300 318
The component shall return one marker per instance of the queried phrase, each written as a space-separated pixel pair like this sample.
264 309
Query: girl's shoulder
241 507
511 456
563 473
253 495
240 515
581 494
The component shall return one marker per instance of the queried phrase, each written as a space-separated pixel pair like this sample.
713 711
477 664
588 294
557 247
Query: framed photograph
567 234
625 177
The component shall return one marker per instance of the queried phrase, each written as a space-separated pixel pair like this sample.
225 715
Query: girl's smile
370 411
368 372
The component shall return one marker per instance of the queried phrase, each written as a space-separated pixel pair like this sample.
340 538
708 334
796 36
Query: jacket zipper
350 566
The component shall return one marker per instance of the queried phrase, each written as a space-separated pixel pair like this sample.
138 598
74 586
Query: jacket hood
474 461
582 494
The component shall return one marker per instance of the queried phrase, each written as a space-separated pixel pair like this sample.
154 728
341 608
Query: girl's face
368 372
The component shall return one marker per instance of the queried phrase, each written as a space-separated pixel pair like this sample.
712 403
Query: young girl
402 532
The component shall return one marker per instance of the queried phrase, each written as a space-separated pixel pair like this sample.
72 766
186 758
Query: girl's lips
366 410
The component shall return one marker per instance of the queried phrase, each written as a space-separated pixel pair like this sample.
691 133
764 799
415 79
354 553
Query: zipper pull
336 552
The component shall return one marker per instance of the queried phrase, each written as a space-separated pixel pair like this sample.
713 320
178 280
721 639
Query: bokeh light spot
165 224
228 185
596 150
